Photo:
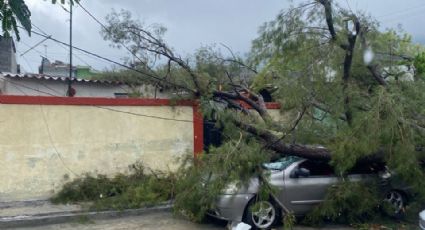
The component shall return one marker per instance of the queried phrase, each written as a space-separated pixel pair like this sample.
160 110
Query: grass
140 188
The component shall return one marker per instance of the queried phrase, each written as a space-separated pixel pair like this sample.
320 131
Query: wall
41 87
38 87
46 141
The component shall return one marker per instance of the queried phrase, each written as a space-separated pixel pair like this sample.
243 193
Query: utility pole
70 93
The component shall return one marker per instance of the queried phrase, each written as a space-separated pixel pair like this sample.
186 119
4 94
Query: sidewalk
34 208
36 213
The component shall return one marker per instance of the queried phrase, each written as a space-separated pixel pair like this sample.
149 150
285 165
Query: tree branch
329 18
261 110
282 149
162 49
373 69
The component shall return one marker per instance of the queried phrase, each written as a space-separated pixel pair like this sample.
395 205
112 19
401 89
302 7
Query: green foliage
419 63
289 221
348 202
145 42
295 54
12 12
127 76
140 188
203 180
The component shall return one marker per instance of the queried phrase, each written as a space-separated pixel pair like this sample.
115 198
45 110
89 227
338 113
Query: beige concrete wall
41 146
278 115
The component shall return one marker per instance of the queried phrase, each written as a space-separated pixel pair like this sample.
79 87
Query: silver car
300 184
422 220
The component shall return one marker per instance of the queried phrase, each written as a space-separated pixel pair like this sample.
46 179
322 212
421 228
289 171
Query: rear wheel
261 214
396 201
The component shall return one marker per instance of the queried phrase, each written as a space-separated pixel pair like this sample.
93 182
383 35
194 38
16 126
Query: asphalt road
152 221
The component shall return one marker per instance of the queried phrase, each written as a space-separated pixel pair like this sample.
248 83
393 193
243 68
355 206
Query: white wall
36 87
39 87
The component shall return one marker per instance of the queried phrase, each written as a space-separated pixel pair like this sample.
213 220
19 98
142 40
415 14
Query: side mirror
300 172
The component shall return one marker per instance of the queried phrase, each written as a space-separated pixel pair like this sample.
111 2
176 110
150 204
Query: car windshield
282 163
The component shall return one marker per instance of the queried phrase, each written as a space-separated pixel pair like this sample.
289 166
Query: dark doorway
212 134
267 96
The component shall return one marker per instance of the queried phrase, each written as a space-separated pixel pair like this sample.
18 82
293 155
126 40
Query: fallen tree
348 96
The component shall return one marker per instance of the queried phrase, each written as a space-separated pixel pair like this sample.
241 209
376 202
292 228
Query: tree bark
274 143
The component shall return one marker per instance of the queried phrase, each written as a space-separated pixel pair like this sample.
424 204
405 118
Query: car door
301 194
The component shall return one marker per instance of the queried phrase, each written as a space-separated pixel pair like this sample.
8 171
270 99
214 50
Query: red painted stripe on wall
269 105
47 100
272 105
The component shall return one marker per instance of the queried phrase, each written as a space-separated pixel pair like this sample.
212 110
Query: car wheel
261 214
397 202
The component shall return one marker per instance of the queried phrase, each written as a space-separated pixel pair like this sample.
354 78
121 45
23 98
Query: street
157 221
152 221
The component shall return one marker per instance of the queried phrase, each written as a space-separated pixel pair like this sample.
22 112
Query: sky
190 24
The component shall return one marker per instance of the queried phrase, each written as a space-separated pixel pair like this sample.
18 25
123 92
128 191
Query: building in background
85 72
8 56
56 68
61 69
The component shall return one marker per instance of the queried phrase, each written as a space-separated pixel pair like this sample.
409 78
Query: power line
29 46
49 133
34 46
60 45
116 63
28 87
106 28
52 143
28 64
19 89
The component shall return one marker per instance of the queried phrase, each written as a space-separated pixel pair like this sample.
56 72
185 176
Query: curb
75 216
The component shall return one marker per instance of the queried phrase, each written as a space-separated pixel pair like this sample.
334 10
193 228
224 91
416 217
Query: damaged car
300 185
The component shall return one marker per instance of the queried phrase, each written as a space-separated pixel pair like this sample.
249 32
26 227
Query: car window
282 163
317 168
367 168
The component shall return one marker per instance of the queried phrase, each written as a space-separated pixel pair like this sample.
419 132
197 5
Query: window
317 168
370 168
121 95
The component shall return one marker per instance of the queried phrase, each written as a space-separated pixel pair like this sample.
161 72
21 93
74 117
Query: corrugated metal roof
52 78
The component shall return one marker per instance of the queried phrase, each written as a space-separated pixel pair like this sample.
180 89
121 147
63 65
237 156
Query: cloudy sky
190 24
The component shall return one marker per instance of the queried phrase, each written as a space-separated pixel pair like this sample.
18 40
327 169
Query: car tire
265 216
397 201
